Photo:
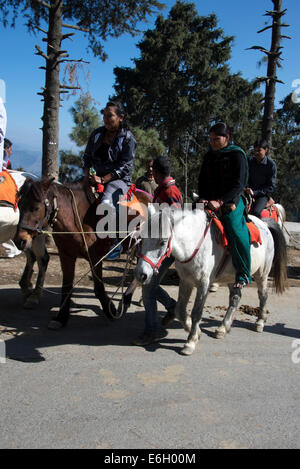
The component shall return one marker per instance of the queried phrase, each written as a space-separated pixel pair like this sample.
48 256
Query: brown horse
69 212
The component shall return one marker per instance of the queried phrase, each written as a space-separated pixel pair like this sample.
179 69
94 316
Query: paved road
86 386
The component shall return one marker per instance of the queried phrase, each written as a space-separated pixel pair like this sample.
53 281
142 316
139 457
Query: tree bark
52 92
271 74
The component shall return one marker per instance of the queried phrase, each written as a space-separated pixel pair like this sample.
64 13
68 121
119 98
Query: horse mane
34 188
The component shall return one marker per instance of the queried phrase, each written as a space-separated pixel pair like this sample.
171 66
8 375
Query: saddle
134 199
255 237
270 211
8 190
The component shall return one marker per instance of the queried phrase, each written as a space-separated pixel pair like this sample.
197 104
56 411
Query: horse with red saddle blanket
75 223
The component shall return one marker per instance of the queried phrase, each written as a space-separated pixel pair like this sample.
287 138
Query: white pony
38 252
199 261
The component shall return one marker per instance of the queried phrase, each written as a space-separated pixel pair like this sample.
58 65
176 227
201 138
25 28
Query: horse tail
280 255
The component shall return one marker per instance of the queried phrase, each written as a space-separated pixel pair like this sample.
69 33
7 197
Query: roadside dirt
11 270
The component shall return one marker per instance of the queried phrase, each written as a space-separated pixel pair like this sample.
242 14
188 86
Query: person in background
146 182
222 179
262 177
110 154
166 192
7 153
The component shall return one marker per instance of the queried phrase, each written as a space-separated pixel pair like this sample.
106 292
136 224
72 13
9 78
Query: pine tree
97 19
181 84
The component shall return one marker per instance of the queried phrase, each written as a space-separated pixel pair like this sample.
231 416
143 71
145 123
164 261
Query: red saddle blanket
270 212
253 230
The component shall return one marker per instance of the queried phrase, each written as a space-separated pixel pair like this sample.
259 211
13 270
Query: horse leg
197 311
25 281
68 269
262 285
234 299
42 258
107 304
184 293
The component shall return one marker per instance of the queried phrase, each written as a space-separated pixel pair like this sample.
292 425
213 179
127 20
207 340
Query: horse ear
46 183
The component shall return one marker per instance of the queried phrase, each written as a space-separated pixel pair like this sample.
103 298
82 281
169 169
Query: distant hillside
29 160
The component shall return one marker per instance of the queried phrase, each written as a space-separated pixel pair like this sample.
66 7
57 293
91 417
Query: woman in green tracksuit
222 178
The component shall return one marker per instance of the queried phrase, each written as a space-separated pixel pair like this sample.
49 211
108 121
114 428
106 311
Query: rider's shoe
115 254
170 316
150 337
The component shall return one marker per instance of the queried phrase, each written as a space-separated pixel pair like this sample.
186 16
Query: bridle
50 214
167 253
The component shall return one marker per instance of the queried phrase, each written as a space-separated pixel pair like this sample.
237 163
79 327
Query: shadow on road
28 334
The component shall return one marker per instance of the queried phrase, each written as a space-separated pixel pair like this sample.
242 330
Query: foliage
70 168
181 84
86 119
97 19
286 152
149 147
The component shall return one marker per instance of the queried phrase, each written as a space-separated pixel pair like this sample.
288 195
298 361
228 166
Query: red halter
156 267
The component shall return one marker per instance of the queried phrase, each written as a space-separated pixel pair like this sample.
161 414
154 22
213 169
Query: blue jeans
153 293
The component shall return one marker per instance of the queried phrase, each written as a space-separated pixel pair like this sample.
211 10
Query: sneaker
170 316
149 338
11 255
116 253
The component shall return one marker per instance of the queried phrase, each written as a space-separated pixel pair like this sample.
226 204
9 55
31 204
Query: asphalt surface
86 386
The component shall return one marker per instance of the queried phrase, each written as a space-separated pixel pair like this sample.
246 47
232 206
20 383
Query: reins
167 253
39 230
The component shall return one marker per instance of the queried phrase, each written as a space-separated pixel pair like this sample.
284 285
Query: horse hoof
187 350
31 302
220 333
124 304
213 288
54 325
111 312
259 328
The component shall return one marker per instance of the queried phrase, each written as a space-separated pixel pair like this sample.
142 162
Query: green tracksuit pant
239 241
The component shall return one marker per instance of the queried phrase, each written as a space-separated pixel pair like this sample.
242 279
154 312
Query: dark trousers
258 205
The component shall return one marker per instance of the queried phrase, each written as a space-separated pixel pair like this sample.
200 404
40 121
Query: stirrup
240 284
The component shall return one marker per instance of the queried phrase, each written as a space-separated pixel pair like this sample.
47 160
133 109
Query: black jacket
223 175
120 154
262 176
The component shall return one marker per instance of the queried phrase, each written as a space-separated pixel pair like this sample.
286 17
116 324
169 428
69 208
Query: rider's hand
95 179
215 204
248 190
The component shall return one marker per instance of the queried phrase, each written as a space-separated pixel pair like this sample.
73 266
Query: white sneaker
13 254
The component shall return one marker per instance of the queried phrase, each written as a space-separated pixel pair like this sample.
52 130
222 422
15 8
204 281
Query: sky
23 78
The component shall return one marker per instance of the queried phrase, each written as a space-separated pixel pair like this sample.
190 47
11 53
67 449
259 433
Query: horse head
35 211
156 236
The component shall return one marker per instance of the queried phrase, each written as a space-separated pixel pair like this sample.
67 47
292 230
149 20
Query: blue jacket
120 154
262 176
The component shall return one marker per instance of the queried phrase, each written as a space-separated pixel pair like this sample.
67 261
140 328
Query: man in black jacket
262 177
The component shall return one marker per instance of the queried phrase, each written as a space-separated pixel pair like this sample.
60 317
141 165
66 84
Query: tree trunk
52 92
271 74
